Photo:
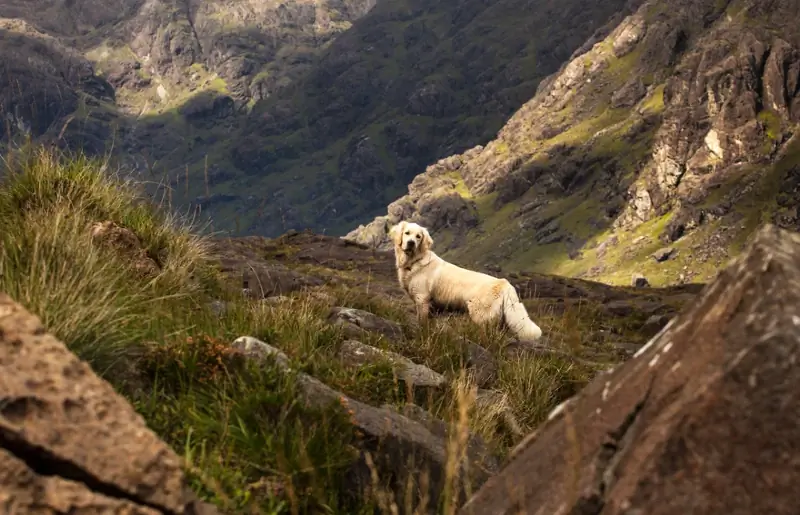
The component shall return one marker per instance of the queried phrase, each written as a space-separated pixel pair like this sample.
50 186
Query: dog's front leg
423 304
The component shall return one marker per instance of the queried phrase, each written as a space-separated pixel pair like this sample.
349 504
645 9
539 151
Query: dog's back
454 286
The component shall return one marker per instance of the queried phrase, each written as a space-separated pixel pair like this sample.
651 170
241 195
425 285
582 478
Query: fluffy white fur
430 280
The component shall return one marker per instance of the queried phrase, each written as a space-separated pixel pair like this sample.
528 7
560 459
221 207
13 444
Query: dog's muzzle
410 245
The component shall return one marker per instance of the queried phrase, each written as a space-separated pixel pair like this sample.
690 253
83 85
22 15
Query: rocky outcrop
357 322
701 419
68 442
671 126
400 446
355 354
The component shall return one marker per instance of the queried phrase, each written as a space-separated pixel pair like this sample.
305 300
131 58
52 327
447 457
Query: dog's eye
418 236
408 232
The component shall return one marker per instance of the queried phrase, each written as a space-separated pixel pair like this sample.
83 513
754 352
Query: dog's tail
516 316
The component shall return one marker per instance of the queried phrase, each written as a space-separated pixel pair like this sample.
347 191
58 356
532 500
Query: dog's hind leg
484 312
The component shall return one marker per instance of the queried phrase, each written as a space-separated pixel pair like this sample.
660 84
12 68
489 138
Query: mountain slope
411 82
154 79
267 116
657 149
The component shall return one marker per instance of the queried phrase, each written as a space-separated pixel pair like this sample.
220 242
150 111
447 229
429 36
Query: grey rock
664 254
354 352
356 322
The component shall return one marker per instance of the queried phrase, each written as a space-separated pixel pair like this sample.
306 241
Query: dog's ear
426 238
396 233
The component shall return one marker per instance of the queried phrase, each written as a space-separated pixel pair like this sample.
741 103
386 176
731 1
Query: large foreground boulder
68 442
704 419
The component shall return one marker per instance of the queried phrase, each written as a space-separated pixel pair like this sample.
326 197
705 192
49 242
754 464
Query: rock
639 281
374 234
692 423
482 364
654 324
124 242
664 254
254 348
356 322
356 353
397 445
628 34
68 442
629 94
603 247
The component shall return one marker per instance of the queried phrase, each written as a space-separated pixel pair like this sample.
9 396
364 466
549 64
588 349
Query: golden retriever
431 281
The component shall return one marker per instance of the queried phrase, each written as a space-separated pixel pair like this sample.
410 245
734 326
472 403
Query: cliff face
656 149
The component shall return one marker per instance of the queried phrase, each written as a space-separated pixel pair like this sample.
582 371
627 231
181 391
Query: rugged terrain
270 116
288 373
655 149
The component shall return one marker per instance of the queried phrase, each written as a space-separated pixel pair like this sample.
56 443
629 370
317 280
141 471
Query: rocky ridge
655 149
690 423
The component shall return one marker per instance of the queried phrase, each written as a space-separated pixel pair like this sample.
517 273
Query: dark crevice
608 457
44 463
190 19
760 77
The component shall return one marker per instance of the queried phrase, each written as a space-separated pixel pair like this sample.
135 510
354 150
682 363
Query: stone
356 322
639 281
68 442
664 254
654 324
254 348
356 353
703 419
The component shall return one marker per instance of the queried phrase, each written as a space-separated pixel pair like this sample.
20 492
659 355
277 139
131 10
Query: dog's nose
410 244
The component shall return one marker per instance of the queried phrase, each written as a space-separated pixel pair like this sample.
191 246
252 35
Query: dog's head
411 238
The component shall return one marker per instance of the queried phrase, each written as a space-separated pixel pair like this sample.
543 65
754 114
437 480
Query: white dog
430 280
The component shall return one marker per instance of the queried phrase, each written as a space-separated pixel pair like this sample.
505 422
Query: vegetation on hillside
250 443
655 150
